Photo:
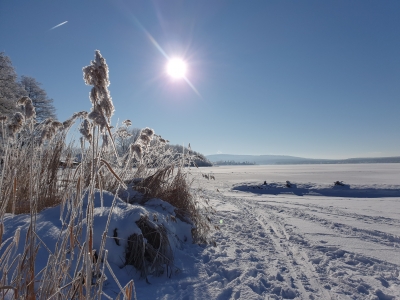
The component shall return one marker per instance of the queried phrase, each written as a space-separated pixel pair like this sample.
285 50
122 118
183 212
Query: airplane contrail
59 25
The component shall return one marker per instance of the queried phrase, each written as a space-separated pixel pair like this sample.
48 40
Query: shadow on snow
344 190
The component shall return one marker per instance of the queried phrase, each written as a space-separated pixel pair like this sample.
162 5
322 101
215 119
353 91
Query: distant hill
256 159
293 160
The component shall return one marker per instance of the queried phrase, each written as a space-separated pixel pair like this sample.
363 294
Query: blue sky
316 79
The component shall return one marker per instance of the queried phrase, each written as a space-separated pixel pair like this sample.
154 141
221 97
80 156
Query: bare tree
10 89
42 103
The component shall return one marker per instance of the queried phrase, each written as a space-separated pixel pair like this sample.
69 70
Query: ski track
342 213
260 255
255 269
370 235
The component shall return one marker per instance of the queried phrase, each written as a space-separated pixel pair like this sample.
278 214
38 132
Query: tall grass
38 171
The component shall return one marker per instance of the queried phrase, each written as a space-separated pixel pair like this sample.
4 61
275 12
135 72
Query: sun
176 68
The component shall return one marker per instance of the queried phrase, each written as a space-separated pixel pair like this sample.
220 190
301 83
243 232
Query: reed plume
96 74
16 124
68 123
29 109
86 129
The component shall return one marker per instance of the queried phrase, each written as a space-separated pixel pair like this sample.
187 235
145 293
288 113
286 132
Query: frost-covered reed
38 170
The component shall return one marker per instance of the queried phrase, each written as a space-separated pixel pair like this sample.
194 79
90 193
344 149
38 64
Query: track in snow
290 265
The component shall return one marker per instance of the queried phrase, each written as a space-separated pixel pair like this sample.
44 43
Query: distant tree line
233 163
366 160
12 89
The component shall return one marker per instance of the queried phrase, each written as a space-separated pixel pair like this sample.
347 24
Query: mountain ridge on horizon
271 159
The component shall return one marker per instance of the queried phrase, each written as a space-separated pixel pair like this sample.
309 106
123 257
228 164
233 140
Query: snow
319 242
322 241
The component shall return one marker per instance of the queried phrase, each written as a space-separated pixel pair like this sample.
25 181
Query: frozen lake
319 243
371 174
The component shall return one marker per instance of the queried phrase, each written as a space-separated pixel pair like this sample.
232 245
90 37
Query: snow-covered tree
10 89
124 137
42 103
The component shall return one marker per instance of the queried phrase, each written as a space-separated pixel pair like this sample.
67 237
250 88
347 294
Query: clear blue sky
314 79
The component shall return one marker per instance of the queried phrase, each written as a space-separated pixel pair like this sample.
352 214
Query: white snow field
313 240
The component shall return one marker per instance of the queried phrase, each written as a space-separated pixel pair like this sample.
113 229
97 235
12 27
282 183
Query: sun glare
176 68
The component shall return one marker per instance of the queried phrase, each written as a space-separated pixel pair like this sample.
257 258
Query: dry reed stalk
100 290
129 290
40 186
90 242
1 232
31 282
7 288
114 173
175 188
42 176
71 236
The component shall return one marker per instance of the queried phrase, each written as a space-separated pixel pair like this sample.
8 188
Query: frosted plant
122 132
30 111
3 120
144 140
16 124
21 101
44 184
96 74
105 140
85 129
148 131
163 141
56 124
136 150
68 123
97 116
145 137
127 123
49 129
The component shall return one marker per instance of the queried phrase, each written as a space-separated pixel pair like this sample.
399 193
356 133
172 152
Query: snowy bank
124 222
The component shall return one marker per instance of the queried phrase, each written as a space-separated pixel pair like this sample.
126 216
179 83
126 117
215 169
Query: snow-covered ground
313 240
